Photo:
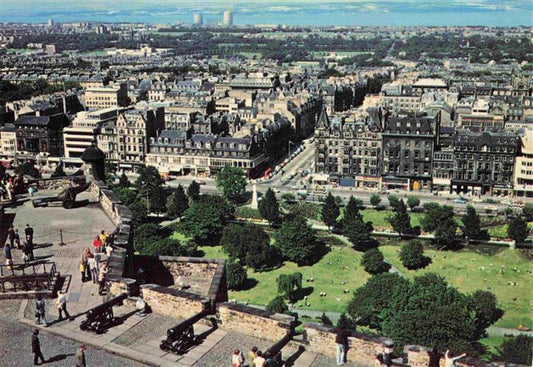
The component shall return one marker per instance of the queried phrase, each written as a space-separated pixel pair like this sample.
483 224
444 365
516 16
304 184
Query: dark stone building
408 143
483 162
41 134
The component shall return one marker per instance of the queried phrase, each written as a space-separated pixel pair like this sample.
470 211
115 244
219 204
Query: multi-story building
523 168
177 120
408 143
84 129
126 141
105 97
8 142
483 162
41 134
484 116
348 152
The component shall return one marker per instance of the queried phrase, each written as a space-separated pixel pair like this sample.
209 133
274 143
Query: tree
288 284
517 349
170 247
325 320
297 241
373 297
59 172
517 229
373 262
412 255
375 200
157 200
416 309
235 275
148 181
277 305
127 195
139 213
147 233
471 224
486 310
232 182
205 219
269 207
28 168
330 211
358 232
440 220
413 202
177 203
401 221
445 232
123 180
193 191
527 212
394 201
352 209
250 244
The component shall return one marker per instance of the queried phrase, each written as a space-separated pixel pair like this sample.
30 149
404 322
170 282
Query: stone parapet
55 183
361 348
171 302
255 322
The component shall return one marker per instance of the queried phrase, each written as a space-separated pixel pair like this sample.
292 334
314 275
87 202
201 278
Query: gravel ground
152 327
322 361
220 355
15 345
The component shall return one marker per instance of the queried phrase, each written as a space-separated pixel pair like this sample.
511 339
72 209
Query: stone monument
255 204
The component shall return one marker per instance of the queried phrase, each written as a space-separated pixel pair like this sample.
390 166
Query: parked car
460 201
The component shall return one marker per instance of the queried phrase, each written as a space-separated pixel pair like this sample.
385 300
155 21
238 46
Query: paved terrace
136 337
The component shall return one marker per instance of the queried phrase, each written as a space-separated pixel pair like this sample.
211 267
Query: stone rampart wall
171 302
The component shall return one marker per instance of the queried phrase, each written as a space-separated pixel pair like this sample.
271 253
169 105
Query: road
15 346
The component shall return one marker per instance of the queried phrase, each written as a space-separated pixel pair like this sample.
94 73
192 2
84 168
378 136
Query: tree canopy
330 211
518 230
177 203
269 207
232 182
374 262
412 255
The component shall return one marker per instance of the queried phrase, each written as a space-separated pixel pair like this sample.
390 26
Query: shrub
373 262
277 305
412 255
517 350
236 275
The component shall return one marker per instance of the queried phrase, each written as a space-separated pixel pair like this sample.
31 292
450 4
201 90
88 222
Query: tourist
237 359
450 359
11 235
84 268
36 348
16 239
259 361
103 238
101 277
97 244
341 339
378 362
80 356
28 232
40 313
251 356
434 357
93 268
27 250
8 256
110 239
31 191
62 306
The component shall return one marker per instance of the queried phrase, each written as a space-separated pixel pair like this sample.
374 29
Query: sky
318 12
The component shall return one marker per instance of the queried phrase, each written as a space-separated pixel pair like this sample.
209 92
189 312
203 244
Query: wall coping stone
174 292
353 334
259 312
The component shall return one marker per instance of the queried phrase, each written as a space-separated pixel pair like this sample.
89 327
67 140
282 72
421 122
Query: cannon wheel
68 204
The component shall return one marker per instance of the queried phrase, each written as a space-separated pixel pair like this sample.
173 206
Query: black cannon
67 197
274 351
101 317
181 337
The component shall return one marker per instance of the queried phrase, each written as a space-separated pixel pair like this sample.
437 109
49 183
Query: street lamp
290 142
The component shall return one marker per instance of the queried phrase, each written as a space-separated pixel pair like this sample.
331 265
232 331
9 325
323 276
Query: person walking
8 256
11 235
36 348
28 232
17 239
93 268
80 356
259 361
341 339
449 359
251 355
40 312
97 244
237 359
84 267
61 304
101 277
28 252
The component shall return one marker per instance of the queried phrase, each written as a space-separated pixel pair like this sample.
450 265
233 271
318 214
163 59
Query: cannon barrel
178 328
98 310
278 346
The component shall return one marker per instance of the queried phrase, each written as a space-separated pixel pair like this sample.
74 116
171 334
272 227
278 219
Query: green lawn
501 231
469 271
379 218
341 264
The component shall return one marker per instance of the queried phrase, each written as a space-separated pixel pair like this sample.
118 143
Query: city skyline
294 12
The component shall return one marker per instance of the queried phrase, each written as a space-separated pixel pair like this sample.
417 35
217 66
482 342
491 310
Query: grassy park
468 270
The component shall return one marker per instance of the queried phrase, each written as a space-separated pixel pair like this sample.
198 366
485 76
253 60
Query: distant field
341 53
